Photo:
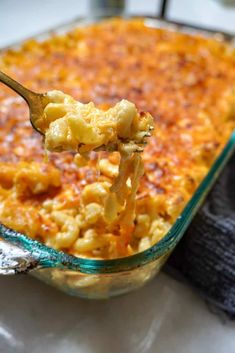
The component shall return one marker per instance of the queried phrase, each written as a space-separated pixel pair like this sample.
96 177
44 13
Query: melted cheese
79 127
82 128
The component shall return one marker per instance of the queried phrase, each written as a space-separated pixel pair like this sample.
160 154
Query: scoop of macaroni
83 128
75 126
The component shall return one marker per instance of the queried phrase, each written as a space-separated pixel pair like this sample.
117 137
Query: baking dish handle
14 260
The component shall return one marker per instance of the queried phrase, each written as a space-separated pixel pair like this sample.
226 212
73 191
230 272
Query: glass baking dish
98 279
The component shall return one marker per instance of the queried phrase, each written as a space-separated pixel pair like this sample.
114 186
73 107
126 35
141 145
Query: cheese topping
186 82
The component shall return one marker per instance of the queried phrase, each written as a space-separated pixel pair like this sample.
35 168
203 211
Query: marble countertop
164 316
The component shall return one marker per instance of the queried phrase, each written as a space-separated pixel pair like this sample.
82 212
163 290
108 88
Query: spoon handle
17 87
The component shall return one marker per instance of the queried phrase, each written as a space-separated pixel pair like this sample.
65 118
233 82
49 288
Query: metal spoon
36 101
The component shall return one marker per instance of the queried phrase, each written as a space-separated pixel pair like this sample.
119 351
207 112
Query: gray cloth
205 257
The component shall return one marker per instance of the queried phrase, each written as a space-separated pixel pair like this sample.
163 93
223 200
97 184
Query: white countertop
163 317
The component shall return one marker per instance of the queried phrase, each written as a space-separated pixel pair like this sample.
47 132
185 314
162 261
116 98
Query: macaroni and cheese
77 127
186 82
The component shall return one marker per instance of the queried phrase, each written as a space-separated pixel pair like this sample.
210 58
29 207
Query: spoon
36 101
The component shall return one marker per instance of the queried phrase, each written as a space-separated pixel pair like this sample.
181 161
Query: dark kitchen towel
205 257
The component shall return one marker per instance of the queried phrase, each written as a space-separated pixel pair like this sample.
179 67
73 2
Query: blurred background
21 18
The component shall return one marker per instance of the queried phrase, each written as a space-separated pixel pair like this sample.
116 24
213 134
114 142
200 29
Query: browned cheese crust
186 82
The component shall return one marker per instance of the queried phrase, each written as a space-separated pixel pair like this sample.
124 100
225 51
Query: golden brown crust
186 82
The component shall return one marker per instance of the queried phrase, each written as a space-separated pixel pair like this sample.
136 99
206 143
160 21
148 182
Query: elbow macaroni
74 126
82 128
185 81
